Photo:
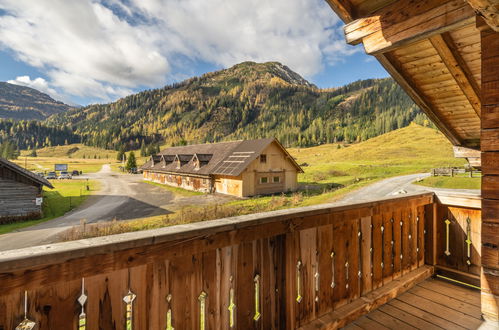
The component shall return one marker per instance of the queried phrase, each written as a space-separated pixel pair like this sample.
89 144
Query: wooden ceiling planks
439 87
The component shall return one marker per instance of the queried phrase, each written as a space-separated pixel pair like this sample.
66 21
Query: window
264 179
263 159
276 179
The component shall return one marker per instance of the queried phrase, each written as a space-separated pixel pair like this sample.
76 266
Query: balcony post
490 170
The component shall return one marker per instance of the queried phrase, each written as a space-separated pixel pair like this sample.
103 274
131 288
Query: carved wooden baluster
392 243
257 298
333 284
202 310
299 296
317 282
346 273
359 273
26 324
371 250
169 317
468 240
447 238
128 299
402 242
232 304
82 319
382 246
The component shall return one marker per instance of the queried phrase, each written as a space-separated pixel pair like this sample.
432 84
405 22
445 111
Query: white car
64 175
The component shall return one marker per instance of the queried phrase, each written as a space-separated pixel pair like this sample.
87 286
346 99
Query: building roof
28 174
432 49
224 158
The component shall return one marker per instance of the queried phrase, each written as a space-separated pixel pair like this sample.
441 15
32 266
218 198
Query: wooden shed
20 193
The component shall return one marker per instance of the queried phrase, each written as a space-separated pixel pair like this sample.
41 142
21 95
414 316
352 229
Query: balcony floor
432 304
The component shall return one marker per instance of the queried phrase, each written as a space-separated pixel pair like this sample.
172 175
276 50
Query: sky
96 51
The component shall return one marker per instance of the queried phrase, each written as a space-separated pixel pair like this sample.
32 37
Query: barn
20 193
238 168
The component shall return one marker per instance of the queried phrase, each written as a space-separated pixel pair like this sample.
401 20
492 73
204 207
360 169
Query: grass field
408 150
78 151
456 182
66 195
45 164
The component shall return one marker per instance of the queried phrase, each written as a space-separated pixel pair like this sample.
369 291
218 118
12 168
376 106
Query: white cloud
103 49
39 84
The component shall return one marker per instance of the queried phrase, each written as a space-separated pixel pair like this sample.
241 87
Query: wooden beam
406 21
489 10
391 64
342 8
457 67
490 179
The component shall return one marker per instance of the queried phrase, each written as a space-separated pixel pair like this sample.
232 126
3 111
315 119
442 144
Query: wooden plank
387 248
458 68
366 323
461 293
392 18
407 318
404 22
433 319
366 224
490 115
450 302
490 212
325 247
490 187
406 242
421 250
436 309
397 243
388 320
343 9
488 10
377 252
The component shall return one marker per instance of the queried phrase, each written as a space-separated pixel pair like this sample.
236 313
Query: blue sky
94 51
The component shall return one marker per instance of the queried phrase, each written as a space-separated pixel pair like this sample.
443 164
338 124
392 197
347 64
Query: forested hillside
249 100
24 103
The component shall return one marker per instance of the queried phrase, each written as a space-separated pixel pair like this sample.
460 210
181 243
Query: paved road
121 197
398 185
386 187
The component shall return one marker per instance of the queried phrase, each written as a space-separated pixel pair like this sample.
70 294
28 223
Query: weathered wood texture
456 228
17 197
285 270
489 10
431 304
406 21
490 178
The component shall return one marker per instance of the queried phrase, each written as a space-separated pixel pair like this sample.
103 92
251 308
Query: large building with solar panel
238 168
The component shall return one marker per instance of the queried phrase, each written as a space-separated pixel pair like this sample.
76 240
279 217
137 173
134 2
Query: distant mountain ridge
25 103
249 100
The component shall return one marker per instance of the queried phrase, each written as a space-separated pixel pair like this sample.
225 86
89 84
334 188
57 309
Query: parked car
39 174
64 175
51 176
75 172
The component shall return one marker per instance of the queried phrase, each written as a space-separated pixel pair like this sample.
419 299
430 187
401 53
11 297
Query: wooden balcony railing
284 269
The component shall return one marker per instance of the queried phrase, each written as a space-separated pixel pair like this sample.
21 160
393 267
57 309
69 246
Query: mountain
248 100
24 103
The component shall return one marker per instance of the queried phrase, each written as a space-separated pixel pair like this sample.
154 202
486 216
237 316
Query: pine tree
131 162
